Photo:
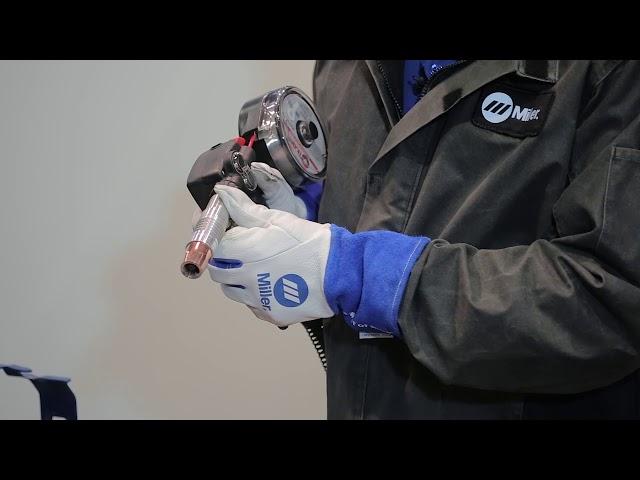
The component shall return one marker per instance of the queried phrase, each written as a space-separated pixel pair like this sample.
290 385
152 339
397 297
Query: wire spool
290 135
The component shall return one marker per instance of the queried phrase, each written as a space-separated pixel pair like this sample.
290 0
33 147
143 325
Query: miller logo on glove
288 270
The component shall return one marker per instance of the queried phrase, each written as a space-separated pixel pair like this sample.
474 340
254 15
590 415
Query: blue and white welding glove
288 270
279 195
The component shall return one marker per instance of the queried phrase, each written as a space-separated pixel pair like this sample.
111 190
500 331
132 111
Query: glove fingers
232 255
235 293
267 171
261 314
241 209
277 192
253 244
268 179
298 228
268 185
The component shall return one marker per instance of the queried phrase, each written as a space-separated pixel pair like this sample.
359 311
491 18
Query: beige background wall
94 215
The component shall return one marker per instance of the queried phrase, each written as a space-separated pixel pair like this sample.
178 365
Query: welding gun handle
213 222
207 233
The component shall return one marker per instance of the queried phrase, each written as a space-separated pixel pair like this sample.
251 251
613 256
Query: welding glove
279 195
289 270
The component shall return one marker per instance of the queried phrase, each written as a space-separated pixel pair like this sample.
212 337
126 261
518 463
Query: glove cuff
367 274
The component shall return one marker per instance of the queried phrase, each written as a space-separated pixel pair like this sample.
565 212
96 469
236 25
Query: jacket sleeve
560 315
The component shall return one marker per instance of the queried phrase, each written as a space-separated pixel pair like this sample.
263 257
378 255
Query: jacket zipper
389 90
430 82
433 144
425 88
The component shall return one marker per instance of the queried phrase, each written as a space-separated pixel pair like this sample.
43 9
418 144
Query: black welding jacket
526 176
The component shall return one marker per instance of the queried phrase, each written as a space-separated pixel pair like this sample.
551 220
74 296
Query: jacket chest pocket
619 241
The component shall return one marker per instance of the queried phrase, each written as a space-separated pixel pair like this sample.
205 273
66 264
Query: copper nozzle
207 233
196 258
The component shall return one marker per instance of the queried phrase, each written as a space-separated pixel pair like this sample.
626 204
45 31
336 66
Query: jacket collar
541 70
461 83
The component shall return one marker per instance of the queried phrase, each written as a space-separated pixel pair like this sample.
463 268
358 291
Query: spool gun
280 128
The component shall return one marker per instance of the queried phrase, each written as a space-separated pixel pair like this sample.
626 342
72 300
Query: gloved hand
289 270
278 194
273 261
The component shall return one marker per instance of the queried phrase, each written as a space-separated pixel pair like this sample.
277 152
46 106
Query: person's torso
481 159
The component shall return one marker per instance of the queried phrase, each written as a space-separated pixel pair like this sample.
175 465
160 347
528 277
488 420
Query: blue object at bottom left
56 398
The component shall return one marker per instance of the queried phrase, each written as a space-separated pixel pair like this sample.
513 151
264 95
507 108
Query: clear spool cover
294 136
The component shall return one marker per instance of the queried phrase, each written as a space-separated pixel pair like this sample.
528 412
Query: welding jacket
526 176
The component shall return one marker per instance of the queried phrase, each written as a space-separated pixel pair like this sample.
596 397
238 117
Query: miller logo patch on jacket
511 111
